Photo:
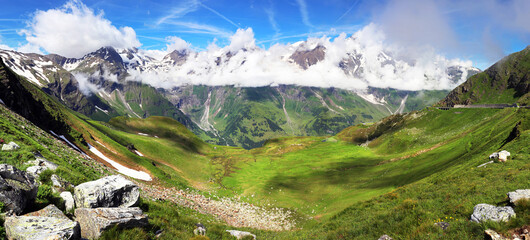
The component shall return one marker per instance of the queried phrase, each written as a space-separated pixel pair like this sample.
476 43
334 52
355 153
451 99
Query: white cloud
270 15
218 14
200 28
180 11
303 11
270 67
85 86
416 24
176 43
243 38
74 30
29 48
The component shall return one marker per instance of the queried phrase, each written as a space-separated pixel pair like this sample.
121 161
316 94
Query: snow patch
143 134
66 140
138 153
105 111
121 169
371 98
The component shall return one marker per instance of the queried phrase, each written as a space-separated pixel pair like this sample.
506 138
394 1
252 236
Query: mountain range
130 82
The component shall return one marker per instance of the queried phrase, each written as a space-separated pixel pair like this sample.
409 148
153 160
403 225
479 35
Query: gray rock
501 156
40 228
494 235
68 200
17 188
10 146
94 221
240 234
519 194
49 211
385 237
35 170
40 165
111 191
442 225
56 181
47 223
59 183
485 212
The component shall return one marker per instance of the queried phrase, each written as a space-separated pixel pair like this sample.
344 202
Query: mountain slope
249 116
507 81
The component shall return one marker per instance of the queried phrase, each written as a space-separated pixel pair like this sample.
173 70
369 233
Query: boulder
40 165
519 194
17 188
35 170
492 235
10 146
42 162
111 191
385 237
49 211
485 212
47 223
240 234
60 184
502 156
94 221
68 200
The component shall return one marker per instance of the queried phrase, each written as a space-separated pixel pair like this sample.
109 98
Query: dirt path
231 211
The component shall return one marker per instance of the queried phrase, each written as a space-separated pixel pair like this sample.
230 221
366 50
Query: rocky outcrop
490 234
385 237
10 146
69 203
307 58
485 212
240 234
519 194
49 211
40 165
48 223
17 188
501 156
94 221
111 191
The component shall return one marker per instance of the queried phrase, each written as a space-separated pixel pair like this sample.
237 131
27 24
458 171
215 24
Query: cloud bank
74 30
243 64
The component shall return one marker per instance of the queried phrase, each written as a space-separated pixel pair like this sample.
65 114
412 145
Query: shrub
46 176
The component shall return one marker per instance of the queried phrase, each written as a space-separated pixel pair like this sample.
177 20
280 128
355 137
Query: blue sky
481 31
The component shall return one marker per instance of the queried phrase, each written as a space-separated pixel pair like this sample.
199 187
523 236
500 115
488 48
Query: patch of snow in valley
402 105
143 134
138 153
66 140
120 168
105 111
371 98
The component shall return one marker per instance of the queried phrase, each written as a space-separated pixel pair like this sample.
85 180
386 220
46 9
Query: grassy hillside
507 81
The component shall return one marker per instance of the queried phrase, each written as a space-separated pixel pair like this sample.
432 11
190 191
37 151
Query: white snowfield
121 169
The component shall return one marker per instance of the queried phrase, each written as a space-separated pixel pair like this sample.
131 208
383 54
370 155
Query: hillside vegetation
507 81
